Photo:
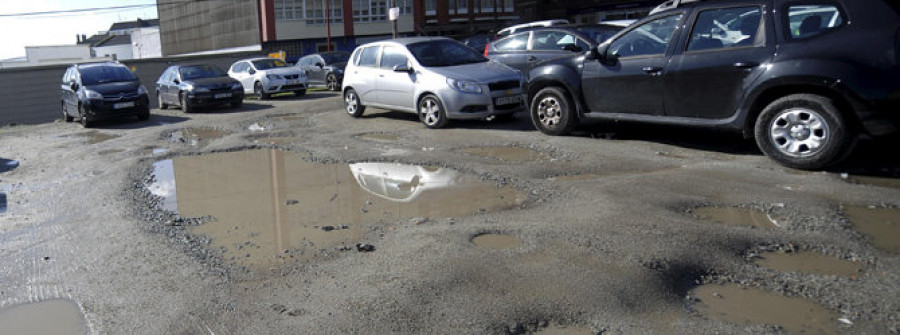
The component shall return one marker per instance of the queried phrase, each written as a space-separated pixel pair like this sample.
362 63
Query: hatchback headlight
273 76
464 86
237 86
93 94
142 90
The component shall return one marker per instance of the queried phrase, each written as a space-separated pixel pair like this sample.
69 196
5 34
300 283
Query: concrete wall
191 26
31 95
145 43
54 54
121 51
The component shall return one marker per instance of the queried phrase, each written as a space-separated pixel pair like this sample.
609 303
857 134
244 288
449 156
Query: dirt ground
617 229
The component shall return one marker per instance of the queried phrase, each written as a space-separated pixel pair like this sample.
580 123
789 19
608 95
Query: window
392 57
506 6
305 61
650 38
726 28
370 10
513 43
461 7
312 11
369 56
486 6
550 40
430 7
810 20
240 67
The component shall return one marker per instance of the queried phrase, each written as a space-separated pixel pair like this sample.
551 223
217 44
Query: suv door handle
652 69
532 58
745 65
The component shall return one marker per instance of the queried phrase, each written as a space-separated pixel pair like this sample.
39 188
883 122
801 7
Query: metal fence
32 95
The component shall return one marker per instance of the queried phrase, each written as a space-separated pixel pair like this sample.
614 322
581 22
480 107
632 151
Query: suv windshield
444 53
200 71
93 75
265 64
339 57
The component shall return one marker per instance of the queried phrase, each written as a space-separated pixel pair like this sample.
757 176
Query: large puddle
94 137
735 216
270 205
508 154
497 241
51 317
811 263
753 306
881 225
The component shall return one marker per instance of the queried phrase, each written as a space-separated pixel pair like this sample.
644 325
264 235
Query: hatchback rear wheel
352 105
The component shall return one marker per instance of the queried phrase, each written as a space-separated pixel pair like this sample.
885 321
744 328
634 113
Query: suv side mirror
73 85
601 53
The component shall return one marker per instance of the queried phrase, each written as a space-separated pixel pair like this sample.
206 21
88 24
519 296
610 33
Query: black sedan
190 86
325 69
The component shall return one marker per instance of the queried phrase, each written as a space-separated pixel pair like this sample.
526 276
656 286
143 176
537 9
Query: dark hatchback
95 91
796 76
524 50
190 86
325 69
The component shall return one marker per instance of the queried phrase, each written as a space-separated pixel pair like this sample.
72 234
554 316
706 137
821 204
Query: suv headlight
273 76
464 86
93 94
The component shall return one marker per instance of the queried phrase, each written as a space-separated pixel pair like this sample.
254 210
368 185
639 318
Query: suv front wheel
804 131
552 112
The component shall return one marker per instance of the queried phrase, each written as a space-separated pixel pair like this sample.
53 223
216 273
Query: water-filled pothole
497 241
881 225
56 317
195 136
94 137
735 216
381 137
267 202
809 262
509 154
753 306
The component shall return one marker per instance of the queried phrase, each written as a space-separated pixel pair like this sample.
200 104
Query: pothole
508 154
810 263
756 307
497 241
270 206
45 317
381 137
736 216
94 137
881 225
197 136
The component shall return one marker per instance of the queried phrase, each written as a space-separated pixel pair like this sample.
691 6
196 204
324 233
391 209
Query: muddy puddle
497 241
756 307
381 137
270 206
508 154
51 317
881 225
94 137
810 263
197 136
562 330
735 216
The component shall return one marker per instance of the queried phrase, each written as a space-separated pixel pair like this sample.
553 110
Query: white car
266 76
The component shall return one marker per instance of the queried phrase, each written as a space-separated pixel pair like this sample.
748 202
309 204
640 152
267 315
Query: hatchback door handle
652 69
745 65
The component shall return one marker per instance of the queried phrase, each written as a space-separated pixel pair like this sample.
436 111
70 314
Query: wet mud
497 241
810 263
197 136
751 306
881 225
51 317
380 137
506 154
94 137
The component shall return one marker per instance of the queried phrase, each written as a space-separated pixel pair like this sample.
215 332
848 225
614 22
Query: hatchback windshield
265 64
94 75
200 71
444 53
338 57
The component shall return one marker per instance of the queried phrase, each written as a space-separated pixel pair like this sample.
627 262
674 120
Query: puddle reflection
267 202
56 317
881 225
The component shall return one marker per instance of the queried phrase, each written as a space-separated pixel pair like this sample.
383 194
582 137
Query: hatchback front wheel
431 112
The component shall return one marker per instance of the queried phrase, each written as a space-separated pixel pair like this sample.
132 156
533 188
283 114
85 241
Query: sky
19 31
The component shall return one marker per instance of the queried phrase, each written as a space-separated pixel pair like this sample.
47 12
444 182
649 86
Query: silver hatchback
437 78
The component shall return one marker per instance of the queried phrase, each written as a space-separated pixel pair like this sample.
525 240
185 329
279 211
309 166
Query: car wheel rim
351 103
159 100
549 111
332 83
258 90
799 132
430 112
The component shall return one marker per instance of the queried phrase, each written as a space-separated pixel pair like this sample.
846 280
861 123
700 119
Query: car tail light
486 48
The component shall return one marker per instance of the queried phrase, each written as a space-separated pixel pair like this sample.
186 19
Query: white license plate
509 100
223 95
123 105
293 81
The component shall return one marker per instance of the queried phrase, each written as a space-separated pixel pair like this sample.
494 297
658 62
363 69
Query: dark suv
99 90
796 75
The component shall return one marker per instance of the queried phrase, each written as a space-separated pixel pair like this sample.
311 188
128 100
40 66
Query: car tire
352 104
82 114
259 91
331 82
431 112
804 131
186 106
552 112
300 93
144 115
159 100
66 116
237 103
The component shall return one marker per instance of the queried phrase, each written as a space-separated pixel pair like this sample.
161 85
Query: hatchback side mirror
320 65
401 68
73 85
251 71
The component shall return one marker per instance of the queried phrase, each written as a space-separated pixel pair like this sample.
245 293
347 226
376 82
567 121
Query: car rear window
94 75
513 43
806 21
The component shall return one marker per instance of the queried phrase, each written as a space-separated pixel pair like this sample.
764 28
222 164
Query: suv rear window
810 20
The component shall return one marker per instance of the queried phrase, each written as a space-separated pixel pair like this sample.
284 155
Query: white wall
122 51
145 43
57 54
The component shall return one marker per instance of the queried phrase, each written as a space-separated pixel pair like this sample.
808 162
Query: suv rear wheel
552 112
804 131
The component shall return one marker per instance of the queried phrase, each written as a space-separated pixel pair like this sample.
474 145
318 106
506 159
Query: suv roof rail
670 4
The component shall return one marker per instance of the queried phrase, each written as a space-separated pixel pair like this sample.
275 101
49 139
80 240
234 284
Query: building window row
459 7
311 11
